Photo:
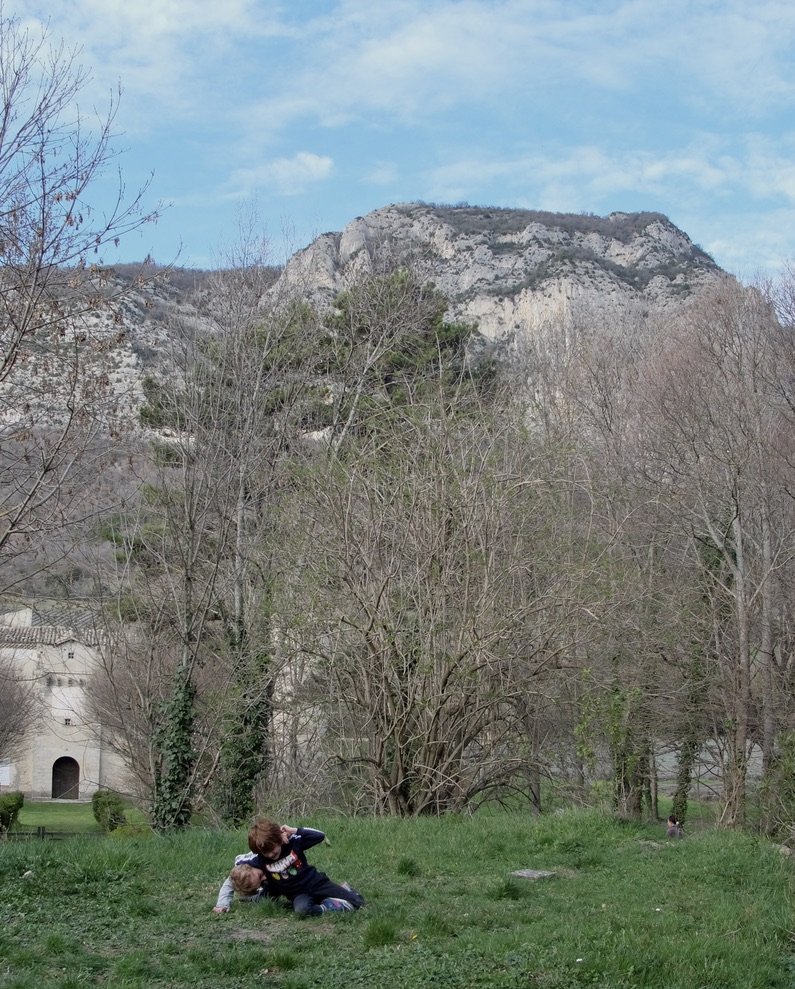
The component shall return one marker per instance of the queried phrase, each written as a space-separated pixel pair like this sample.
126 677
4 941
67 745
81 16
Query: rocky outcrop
503 270
508 269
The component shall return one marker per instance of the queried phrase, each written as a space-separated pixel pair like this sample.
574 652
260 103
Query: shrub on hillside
10 806
108 810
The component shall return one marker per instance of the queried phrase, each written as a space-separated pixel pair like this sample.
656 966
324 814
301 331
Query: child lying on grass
277 866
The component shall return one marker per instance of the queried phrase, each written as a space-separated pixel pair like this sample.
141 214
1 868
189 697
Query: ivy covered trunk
631 752
245 748
175 758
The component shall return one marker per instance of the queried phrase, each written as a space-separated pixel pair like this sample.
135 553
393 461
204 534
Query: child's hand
220 909
287 832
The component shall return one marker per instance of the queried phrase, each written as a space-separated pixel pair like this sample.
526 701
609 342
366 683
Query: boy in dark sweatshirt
276 866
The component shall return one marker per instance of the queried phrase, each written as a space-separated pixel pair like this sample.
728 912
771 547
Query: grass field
70 816
626 908
76 817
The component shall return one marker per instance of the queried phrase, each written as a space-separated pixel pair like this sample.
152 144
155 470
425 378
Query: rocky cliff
504 270
508 269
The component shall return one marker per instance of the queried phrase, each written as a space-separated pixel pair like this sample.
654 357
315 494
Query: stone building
62 755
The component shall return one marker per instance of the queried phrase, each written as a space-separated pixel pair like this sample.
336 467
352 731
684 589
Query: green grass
625 909
77 817
73 816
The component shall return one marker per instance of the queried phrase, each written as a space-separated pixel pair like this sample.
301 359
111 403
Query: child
277 866
244 880
674 827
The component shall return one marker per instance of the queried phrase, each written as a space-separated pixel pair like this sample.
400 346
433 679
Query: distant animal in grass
674 827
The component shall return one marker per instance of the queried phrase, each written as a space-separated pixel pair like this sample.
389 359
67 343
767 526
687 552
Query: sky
306 114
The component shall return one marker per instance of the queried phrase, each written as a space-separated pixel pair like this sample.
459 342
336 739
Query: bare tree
18 705
56 319
719 447
636 686
174 546
264 346
430 613
199 551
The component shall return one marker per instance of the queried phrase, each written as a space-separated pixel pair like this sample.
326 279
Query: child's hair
245 879
264 835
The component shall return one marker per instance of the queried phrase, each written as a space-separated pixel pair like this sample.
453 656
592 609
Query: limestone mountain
502 270
505 270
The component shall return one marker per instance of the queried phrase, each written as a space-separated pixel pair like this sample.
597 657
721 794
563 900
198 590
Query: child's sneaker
335 903
356 898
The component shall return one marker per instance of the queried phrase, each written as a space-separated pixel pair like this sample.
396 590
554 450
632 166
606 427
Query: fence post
40 832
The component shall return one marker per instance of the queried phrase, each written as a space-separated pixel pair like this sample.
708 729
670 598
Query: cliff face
506 270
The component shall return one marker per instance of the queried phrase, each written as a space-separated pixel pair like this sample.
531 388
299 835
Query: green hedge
10 806
108 810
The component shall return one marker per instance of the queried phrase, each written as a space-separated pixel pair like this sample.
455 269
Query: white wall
61 666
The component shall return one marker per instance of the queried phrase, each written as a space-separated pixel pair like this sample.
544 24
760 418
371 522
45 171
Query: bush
10 806
108 810
132 829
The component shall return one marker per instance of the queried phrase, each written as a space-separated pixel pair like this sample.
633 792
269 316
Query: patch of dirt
553 872
533 874
247 934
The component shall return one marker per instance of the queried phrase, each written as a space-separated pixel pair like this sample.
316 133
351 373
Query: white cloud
770 167
383 173
174 58
408 61
287 176
572 177
752 244
411 60
584 105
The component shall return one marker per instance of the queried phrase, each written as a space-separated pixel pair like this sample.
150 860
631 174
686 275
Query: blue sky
312 113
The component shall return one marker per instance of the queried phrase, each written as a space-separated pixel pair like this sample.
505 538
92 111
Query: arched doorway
65 779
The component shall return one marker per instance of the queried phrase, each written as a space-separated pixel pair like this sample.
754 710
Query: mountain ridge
507 269
505 272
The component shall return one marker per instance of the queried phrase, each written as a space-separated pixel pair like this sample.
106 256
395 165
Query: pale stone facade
62 756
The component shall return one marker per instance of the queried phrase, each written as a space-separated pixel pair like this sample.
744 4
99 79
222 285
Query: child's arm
226 895
307 837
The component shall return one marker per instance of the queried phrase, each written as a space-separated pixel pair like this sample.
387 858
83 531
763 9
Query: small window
67 721
70 654
70 682
50 681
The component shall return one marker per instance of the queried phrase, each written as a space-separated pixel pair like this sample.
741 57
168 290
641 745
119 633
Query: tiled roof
45 635
65 617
